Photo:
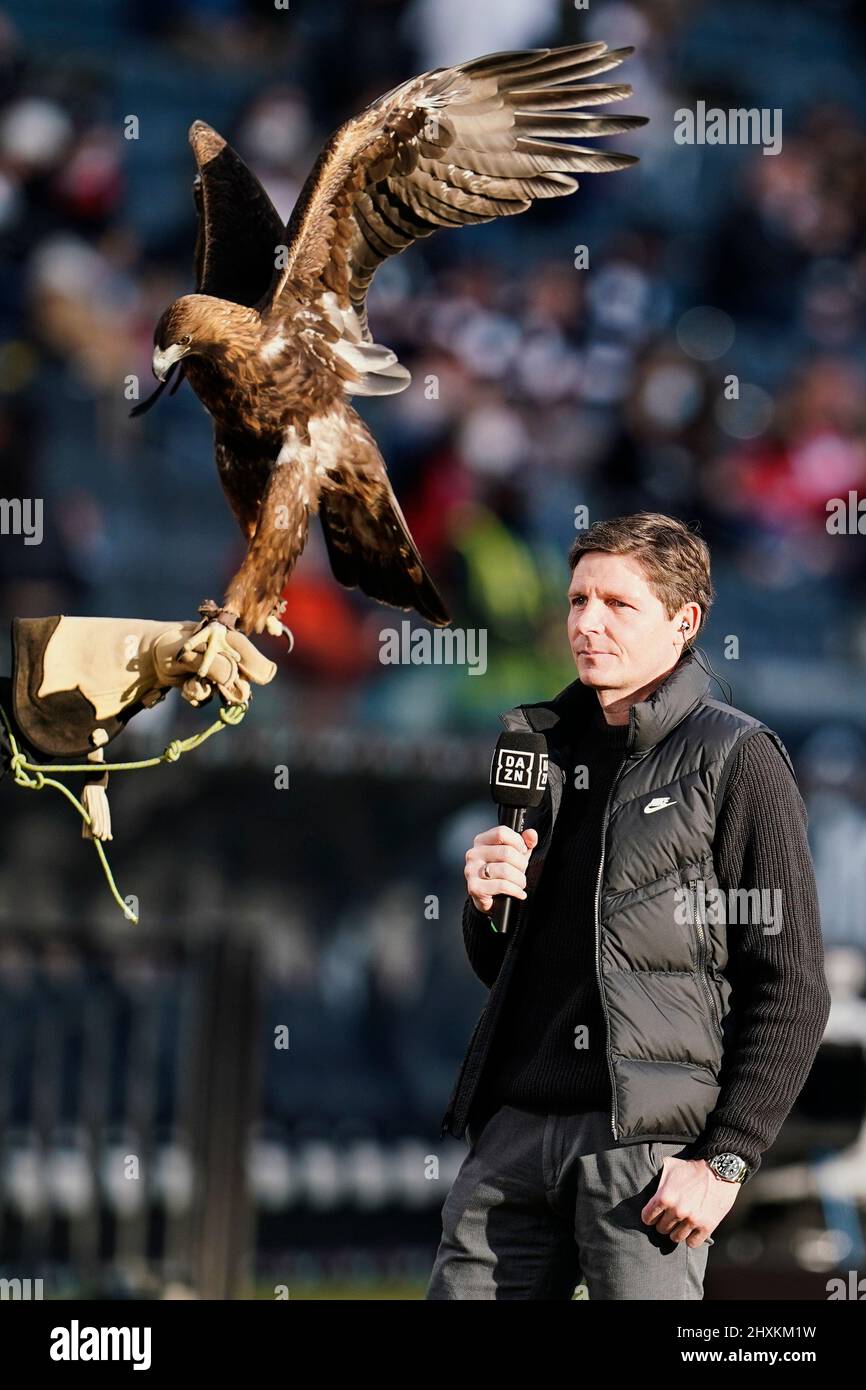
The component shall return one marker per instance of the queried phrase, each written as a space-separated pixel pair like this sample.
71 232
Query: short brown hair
676 560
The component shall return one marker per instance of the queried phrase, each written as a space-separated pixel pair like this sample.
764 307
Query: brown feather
419 158
239 228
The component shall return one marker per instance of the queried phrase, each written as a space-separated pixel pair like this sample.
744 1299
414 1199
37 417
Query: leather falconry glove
76 683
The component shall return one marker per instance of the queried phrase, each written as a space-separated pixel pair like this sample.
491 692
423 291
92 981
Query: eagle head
181 330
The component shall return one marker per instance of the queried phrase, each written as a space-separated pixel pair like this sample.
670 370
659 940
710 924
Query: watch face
729 1166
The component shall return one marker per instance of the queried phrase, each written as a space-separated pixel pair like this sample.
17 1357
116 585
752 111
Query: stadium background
310 907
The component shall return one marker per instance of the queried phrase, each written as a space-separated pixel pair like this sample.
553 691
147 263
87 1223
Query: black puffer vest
660 957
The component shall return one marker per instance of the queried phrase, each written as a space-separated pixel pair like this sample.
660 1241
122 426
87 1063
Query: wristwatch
729 1167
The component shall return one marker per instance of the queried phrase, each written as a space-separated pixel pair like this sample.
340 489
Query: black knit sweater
539 1062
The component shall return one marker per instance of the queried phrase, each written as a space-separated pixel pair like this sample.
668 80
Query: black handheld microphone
518 777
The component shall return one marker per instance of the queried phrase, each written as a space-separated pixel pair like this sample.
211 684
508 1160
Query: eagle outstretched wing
239 230
452 147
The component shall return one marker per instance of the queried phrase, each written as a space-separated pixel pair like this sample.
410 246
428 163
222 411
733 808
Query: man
657 1004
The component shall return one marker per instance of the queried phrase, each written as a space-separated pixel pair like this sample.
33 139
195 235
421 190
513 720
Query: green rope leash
21 768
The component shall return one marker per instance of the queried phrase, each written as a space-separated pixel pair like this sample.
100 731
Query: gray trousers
543 1202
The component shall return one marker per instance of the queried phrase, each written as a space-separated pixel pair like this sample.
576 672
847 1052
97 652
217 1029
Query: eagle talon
215 645
278 629
216 632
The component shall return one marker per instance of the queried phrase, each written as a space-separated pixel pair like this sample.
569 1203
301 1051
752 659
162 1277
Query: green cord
20 767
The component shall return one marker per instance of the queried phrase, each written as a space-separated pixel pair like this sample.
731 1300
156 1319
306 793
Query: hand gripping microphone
518 777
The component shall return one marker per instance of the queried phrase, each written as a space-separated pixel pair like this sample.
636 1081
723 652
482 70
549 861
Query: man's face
621 637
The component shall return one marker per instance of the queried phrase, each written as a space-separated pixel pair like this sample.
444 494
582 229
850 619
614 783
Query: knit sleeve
484 946
780 998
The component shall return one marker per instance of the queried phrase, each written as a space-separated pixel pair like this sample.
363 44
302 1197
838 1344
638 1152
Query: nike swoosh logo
658 803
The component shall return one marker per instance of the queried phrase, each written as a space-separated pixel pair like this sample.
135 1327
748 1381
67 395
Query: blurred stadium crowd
554 387
538 388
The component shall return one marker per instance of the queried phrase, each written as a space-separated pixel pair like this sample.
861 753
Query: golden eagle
276 339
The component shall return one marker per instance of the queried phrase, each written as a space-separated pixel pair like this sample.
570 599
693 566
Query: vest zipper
702 959
598 950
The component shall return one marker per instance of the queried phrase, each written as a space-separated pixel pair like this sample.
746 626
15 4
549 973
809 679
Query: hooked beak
164 360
